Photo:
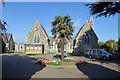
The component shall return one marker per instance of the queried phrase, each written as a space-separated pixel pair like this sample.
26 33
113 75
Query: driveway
22 66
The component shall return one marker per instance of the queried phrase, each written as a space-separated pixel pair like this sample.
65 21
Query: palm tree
106 9
62 29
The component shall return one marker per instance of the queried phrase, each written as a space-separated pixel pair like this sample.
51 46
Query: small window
27 47
51 47
31 47
21 47
35 47
39 47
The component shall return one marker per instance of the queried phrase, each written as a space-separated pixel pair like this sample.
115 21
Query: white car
99 53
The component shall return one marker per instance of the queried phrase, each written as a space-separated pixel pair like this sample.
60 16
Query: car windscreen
103 51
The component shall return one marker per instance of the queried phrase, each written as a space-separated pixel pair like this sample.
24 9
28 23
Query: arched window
88 40
38 39
35 39
85 40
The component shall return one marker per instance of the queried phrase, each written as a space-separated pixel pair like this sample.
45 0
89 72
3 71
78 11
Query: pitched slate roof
42 27
87 23
72 41
81 28
5 36
51 40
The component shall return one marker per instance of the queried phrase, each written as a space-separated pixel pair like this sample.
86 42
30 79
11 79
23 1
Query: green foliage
119 45
108 43
104 8
68 60
20 53
101 44
52 63
33 53
62 23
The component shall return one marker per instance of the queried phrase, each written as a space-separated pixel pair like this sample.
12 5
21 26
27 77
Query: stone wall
18 47
85 31
38 30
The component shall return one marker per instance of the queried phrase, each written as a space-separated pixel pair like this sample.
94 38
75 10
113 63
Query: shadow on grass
94 71
58 56
16 66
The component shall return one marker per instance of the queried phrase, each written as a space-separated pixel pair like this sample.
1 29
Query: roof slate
5 36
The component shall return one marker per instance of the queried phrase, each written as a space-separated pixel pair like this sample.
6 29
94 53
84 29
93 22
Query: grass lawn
68 60
33 53
54 63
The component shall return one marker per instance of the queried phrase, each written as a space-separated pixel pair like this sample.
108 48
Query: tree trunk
62 52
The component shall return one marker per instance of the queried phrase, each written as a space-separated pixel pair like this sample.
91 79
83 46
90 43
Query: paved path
22 66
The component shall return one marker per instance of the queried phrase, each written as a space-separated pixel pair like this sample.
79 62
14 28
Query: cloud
77 23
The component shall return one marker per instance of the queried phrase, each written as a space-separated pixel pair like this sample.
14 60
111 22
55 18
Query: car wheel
104 57
90 56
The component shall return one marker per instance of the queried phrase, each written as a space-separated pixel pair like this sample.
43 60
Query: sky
21 16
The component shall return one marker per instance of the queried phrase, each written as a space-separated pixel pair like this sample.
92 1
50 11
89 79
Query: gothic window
86 40
35 39
38 39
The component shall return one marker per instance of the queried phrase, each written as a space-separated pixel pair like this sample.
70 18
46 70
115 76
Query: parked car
99 53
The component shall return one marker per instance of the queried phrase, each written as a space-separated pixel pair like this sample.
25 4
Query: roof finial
91 19
87 21
37 20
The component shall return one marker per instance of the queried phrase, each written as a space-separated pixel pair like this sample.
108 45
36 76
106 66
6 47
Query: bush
107 45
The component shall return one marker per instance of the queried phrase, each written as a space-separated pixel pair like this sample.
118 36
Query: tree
104 8
108 45
62 29
119 45
2 22
101 45
3 30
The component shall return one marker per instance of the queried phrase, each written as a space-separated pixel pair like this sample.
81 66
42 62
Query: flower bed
68 59
58 63
49 62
